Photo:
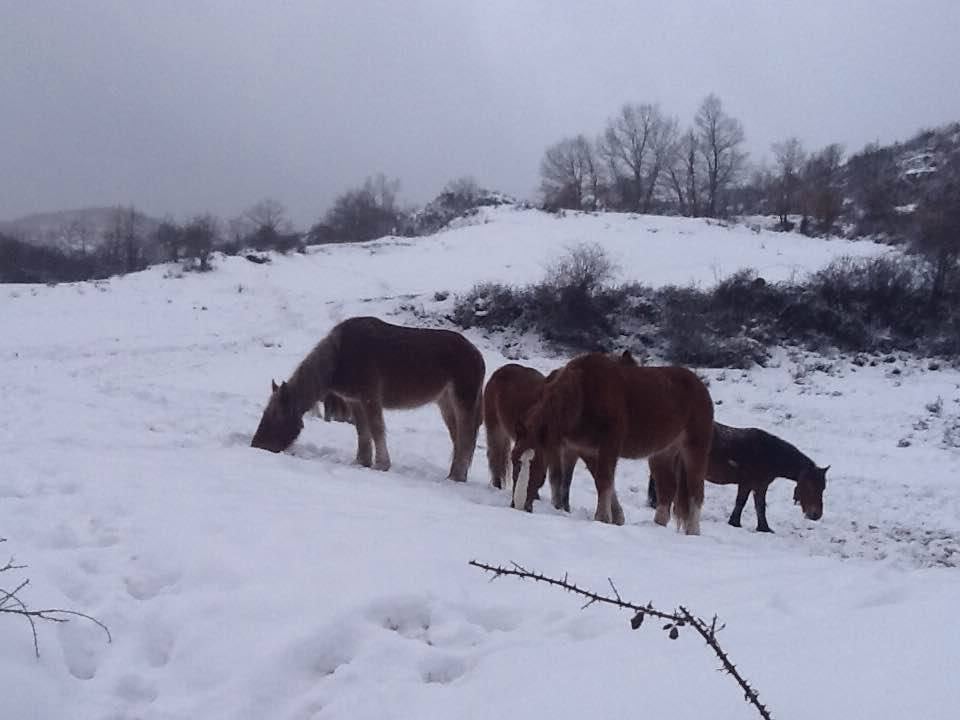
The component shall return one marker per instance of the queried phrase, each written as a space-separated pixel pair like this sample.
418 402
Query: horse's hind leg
498 456
468 413
663 477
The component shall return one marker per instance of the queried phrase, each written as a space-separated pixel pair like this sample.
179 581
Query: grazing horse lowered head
369 365
604 410
752 458
510 393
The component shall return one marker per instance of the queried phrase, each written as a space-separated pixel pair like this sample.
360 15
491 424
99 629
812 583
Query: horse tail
694 456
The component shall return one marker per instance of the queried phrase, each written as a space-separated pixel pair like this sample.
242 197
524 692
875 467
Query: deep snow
241 584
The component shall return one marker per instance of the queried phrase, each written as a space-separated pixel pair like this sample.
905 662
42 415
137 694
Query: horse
510 392
751 459
370 365
605 410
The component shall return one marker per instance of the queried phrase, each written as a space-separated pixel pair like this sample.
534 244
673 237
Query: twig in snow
676 619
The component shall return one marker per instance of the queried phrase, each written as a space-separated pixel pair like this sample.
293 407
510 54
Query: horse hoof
731 523
765 530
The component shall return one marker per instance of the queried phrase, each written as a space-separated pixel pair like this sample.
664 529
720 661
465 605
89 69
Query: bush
857 305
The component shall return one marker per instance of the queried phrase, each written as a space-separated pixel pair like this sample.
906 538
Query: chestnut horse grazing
604 410
751 459
510 392
368 365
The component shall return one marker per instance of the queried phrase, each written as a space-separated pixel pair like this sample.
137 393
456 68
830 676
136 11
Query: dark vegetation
877 305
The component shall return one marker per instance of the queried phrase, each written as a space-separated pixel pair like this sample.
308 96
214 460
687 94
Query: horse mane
560 405
312 378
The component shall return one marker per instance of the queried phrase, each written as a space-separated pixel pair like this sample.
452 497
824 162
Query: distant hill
85 228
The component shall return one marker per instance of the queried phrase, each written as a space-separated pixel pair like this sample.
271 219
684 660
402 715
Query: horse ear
273 385
825 469
627 358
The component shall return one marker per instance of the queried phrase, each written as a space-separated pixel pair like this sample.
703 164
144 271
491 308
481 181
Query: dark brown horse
751 459
370 365
604 410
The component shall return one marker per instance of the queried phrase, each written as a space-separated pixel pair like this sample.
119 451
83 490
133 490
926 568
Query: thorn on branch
675 620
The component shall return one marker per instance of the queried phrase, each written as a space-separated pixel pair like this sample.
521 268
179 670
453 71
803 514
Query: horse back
754 451
402 366
510 392
664 405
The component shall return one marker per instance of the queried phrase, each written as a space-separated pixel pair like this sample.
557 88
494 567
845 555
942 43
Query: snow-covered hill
241 584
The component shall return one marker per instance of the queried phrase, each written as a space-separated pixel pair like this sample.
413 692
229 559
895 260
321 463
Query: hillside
70 229
241 584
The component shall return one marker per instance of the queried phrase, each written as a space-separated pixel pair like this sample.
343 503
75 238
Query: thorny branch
676 619
11 603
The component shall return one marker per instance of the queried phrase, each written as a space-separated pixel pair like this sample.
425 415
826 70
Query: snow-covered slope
241 584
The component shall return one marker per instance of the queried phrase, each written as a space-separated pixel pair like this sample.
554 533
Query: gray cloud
188 106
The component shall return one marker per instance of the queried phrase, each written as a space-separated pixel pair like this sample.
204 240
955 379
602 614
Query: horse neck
791 462
311 380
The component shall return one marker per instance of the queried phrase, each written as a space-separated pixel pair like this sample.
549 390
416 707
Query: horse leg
568 460
448 412
374 413
662 475
469 414
364 438
743 491
760 503
498 457
603 467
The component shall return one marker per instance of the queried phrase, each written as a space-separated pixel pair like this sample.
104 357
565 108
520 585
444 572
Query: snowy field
242 584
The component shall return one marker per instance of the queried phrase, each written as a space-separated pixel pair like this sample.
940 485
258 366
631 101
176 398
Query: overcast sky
184 106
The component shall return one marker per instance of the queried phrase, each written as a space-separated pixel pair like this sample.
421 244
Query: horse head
527 461
809 491
281 422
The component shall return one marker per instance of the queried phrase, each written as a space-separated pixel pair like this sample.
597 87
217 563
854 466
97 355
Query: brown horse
369 365
510 392
604 410
751 459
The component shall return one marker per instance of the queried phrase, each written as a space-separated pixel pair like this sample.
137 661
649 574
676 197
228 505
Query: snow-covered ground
242 584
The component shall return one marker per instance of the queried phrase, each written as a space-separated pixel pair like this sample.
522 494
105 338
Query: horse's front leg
760 503
603 467
743 492
364 438
378 430
568 461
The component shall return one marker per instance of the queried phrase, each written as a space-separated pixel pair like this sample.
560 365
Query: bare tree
268 214
124 240
365 213
720 138
790 158
872 184
636 144
199 238
564 171
684 173
383 190
823 186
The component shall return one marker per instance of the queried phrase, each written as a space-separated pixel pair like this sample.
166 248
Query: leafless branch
679 618
12 604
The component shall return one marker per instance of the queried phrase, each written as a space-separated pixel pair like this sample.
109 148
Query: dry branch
679 618
12 604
